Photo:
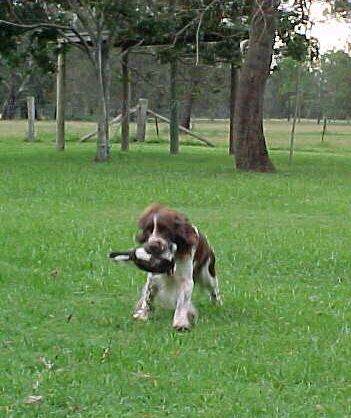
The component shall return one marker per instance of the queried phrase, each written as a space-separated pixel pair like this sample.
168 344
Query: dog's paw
141 315
182 327
181 324
216 299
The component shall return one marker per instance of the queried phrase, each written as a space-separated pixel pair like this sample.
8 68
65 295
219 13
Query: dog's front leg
144 304
185 311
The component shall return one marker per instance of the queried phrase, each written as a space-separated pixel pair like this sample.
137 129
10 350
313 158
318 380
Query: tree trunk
297 105
190 96
250 145
9 107
173 128
187 107
101 69
125 102
60 101
234 81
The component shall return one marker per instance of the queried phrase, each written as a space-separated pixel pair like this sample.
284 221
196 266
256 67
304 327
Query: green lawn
279 347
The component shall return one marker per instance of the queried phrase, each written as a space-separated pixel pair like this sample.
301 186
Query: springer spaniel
194 262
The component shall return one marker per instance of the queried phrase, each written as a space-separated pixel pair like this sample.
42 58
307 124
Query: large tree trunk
234 81
250 145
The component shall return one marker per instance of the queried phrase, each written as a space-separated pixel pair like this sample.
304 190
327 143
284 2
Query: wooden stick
181 128
117 119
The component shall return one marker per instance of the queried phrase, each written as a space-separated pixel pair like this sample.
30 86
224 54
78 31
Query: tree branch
198 17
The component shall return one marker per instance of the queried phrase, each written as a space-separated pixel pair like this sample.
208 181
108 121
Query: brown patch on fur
202 254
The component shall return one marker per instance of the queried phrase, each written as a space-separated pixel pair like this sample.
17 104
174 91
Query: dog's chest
167 293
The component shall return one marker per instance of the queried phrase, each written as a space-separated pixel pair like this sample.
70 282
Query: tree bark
190 96
234 81
251 152
187 107
297 104
60 102
173 128
17 84
9 108
101 67
125 102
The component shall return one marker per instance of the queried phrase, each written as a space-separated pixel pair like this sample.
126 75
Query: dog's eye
162 229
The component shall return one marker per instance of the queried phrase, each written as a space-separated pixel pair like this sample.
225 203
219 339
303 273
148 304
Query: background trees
202 35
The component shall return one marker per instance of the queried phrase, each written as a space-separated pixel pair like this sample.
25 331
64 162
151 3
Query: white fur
123 257
184 281
141 254
172 291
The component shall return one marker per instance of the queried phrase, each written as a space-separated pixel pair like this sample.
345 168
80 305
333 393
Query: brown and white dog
161 226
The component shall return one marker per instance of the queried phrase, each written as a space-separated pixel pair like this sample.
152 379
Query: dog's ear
140 237
145 221
147 214
186 236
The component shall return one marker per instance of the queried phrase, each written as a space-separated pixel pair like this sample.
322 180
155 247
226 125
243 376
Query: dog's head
161 226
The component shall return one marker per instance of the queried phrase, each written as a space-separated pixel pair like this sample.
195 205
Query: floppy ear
186 237
144 219
149 211
140 237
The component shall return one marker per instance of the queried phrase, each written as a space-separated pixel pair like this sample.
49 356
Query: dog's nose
155 247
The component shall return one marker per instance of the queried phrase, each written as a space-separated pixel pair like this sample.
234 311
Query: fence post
60 102
31 119
141 120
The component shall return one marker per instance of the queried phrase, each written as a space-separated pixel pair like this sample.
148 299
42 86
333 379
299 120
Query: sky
333 33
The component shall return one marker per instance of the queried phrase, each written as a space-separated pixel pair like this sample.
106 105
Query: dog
160 227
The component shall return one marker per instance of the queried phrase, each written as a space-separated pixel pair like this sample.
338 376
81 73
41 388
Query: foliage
335 82
26 58
325 87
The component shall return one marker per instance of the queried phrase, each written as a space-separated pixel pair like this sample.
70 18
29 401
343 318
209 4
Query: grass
280 345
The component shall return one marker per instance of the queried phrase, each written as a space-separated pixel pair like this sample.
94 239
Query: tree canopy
206 31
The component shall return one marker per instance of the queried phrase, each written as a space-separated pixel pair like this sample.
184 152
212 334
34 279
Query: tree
250 146
268 19
24 57
335 81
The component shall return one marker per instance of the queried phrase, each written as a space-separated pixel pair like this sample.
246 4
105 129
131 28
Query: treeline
206 88
324 88
158 44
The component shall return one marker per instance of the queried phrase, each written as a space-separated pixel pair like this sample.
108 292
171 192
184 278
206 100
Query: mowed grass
308 134
280 346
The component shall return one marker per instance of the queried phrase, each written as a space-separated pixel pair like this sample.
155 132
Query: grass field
279 347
